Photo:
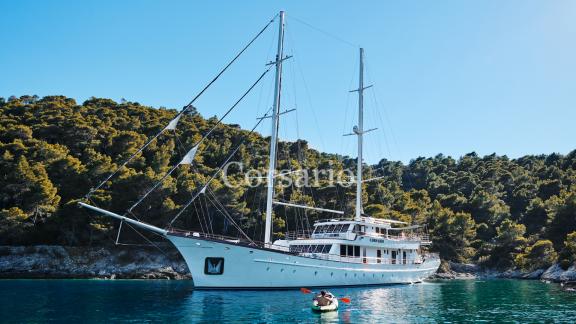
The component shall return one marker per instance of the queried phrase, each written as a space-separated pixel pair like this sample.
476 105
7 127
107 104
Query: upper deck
365 227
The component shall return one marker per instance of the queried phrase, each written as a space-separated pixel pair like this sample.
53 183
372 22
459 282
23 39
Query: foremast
274 134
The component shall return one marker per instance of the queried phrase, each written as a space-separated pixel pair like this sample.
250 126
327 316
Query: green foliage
452 233
567 256
538 256
52 151
509 242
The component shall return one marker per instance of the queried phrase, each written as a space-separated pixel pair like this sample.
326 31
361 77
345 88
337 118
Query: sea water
105 301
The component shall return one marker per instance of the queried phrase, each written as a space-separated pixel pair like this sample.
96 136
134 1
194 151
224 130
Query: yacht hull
216 264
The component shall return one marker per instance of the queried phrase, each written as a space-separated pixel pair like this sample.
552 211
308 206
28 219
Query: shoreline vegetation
493 211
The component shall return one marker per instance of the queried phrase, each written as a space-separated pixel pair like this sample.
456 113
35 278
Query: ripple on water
177 301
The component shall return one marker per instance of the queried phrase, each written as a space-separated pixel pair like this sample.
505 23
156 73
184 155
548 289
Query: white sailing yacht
342 251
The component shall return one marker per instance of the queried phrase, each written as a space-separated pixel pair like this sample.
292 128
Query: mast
360 131
274 135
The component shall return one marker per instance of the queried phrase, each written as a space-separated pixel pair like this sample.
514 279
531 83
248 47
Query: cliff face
92 262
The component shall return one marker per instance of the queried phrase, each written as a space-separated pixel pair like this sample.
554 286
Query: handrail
367 260
303 235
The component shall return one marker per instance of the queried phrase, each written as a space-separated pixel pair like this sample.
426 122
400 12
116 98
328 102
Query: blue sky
449 77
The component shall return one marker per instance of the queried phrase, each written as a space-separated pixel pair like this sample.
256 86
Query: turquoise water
74 301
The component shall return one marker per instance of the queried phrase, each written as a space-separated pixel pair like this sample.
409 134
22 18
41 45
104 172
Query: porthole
268 269
315 272
281 270
331 274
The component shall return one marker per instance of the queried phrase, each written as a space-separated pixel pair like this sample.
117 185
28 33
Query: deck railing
304 235
370 260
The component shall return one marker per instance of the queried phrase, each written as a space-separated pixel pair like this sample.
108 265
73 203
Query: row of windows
316 248
335 228
349 250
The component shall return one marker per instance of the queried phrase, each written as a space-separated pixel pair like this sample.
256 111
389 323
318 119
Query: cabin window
378 256
314 248
350 251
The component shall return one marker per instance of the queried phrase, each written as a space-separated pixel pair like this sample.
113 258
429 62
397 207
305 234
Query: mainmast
359 130
274 136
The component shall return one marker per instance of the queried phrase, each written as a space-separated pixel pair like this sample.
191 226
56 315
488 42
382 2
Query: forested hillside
492 210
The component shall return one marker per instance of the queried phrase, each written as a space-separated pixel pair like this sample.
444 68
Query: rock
556 274
534 274
86 262
464 267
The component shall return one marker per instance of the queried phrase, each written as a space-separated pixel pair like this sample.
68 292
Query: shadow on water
91 301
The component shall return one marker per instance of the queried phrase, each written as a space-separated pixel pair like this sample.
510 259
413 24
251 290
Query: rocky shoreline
451 270
141 262
115 262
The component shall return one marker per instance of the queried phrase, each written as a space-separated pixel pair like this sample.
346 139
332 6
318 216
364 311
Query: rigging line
309 97
208 214
199 220
185 108
227 66
235 104
203 214
336 37
149 241
386 118
376 111
202 139
226 214
260 94
218 170
89 194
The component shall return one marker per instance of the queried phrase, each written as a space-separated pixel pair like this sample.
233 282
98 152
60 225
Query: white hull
253 268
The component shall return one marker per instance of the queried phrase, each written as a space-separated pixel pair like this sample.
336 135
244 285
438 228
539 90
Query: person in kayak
324 299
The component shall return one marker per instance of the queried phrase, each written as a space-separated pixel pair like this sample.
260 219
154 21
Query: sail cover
173 123
189 157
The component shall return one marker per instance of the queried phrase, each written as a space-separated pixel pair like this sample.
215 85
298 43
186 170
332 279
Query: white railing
303 235
365 260
298 235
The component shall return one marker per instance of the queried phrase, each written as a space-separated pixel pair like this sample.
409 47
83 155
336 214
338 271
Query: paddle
308 291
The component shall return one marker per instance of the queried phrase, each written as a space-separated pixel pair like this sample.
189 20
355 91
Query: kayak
329 308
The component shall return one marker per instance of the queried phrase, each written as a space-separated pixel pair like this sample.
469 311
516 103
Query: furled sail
173 123
189 157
